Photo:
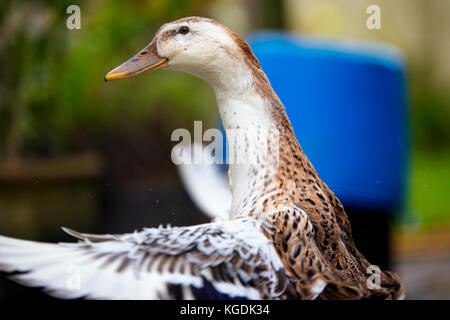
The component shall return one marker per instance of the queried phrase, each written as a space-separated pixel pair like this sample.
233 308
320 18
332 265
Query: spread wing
206 184
216 260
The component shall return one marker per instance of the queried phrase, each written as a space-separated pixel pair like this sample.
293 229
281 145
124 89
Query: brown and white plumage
288 236
156 263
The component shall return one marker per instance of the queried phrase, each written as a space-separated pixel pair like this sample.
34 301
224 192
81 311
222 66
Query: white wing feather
206 184
142 265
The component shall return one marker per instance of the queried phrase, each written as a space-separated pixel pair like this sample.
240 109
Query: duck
286 236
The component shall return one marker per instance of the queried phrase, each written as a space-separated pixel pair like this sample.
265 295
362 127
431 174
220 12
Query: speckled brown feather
309 227
325 249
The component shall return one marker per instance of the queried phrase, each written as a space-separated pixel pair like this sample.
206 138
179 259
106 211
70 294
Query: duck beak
146 60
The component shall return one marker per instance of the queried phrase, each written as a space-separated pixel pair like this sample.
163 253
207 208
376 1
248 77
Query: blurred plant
52 78
430 114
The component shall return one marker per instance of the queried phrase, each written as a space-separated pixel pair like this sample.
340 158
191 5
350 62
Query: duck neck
253 134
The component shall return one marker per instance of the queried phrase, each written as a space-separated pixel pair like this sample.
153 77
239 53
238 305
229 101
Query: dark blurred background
94 156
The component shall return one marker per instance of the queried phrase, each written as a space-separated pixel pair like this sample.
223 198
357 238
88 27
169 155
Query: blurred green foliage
52 79
429 183
430 111
429 187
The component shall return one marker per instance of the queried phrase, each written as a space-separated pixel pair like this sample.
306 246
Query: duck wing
229 259
206 184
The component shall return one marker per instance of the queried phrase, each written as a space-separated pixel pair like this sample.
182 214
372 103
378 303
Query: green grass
429 190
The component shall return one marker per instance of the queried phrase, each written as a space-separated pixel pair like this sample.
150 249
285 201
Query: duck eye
183 30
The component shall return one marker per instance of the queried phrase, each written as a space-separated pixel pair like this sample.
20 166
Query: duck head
195 45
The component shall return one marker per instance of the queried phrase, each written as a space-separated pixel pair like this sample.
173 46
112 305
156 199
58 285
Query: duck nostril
143 53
